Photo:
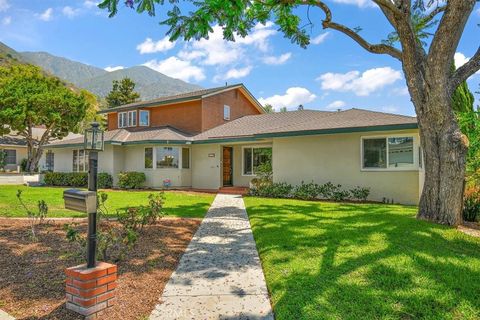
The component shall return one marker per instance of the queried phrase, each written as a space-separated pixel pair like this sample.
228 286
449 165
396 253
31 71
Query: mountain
8 55
65 69
150 84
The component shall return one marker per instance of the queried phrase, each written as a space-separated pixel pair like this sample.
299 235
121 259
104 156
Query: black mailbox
79 200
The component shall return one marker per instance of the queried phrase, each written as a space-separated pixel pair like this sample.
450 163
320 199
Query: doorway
227 166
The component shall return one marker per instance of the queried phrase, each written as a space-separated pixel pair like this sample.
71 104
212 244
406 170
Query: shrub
471 204
76 179
135 218
104 180
273 190
340 195
131 180
327 190
360 193
306 191
35 217
23 165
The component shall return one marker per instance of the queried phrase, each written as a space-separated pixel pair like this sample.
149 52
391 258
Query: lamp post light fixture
93 143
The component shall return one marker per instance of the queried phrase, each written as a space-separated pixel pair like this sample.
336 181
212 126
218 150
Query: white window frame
180 157
120 117
226 112
85 160
140 117
243 158
414 166
132 118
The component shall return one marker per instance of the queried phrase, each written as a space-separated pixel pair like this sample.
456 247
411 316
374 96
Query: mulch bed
470 228
32 280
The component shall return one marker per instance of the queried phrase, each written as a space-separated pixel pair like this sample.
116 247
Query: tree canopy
123 92
29 98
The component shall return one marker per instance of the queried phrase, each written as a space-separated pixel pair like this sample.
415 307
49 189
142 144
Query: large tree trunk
444 148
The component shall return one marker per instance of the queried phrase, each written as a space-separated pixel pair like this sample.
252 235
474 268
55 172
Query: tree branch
436 11
373 48
465 71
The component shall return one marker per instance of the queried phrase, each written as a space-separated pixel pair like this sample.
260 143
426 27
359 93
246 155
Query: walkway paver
219 276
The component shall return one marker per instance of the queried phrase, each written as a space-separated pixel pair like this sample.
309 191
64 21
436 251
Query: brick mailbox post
90 287
91 290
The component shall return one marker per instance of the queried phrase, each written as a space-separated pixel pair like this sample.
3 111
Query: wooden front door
227 166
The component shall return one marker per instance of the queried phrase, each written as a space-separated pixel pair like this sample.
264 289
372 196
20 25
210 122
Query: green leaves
122 93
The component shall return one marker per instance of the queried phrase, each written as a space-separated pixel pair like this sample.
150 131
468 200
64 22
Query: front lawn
363 261
177 204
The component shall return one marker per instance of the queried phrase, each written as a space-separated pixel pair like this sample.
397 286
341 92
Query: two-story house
218 137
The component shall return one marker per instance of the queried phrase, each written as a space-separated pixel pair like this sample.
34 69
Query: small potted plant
167 183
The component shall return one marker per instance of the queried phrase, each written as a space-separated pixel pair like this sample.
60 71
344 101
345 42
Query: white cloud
238 73
191 55
89 4
362 84
70 12
401 91
110 69
276 60
460 59
293 97
320 38
338 104
4 5
478 12
359 3
390 109
177 68
47 15
150 46
6 21
259 36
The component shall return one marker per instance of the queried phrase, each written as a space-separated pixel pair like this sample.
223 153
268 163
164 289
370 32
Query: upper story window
144 120
132 118
226 112
388 153
122 119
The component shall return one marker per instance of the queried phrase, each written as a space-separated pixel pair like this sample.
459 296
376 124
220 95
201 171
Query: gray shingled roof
172 99
307 120
124 136
270 124
12 141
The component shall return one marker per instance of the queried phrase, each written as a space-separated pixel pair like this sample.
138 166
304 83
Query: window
253 157
387 153
185 158
148 158
80 161
167 157
122 119
49 160
10 156
132 118
144 118
226 112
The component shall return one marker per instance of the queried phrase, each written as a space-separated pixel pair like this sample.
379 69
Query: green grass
363 261
177 204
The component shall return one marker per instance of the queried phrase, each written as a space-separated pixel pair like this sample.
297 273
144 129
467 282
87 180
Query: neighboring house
213 138
15 148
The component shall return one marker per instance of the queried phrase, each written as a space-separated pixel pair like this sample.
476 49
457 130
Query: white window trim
180 157
227 107
134 118
119 119
243 158
140 117
85 160
414 167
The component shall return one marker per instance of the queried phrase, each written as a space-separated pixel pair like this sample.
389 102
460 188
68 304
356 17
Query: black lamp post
93 143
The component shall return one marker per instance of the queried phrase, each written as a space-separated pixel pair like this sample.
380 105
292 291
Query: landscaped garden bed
32 280
325 260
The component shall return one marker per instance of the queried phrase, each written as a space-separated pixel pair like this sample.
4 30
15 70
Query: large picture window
80 160
167 157
387 153
10 156
254 157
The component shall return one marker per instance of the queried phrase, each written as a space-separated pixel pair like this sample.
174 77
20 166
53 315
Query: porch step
233 190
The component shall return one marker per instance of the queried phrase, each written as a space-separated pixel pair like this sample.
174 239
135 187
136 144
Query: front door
227 166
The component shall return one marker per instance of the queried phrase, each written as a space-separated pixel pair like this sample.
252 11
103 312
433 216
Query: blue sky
333 72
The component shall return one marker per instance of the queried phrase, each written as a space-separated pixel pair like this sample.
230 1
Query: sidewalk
219 276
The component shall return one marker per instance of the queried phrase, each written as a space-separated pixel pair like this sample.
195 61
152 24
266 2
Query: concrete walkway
219 276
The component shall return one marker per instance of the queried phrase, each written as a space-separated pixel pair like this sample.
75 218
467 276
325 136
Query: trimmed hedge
76 179
131 180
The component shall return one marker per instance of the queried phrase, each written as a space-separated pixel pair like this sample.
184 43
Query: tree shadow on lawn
352 261
32 280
